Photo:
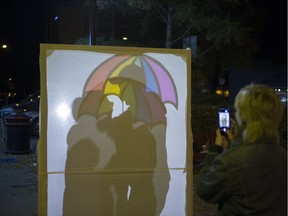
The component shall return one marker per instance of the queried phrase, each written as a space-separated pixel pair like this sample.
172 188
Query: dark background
24 27
274 34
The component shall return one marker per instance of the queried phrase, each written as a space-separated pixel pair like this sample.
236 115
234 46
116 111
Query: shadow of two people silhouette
114 166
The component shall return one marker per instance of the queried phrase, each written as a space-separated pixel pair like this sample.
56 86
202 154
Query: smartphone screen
224 119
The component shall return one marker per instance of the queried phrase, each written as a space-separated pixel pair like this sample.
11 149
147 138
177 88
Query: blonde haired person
249 176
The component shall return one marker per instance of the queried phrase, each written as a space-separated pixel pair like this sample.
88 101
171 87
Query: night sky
23 29
274 34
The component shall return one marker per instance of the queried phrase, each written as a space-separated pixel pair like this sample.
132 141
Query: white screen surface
67 73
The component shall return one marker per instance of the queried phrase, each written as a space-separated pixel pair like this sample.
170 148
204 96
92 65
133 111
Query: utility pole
169 27
92 23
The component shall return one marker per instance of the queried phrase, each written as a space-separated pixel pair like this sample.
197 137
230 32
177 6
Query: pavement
18 180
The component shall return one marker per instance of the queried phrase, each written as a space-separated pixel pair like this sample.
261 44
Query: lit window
226 93
219 92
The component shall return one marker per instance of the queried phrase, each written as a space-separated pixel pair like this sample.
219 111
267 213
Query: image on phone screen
224 119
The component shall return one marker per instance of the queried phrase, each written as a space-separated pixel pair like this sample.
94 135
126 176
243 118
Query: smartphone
224 119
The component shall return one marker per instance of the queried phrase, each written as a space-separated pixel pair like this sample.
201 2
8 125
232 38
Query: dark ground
18 182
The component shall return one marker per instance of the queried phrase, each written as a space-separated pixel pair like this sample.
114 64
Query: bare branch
207 50
162 13
183 35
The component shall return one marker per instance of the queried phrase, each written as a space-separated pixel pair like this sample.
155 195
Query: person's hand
221 140
224 141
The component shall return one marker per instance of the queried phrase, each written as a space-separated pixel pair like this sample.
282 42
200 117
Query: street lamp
4 46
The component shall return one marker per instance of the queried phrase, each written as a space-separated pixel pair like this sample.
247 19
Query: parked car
28 106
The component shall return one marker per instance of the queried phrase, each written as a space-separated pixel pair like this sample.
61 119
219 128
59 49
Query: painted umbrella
94 103
142 68
144 106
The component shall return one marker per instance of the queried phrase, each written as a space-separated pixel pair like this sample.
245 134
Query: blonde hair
260 111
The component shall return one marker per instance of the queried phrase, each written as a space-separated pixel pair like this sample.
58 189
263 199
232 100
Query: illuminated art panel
115 131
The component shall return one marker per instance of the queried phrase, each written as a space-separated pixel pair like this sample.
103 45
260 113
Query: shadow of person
136 158
86 192
112 165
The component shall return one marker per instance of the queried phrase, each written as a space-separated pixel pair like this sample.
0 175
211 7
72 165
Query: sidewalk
18 181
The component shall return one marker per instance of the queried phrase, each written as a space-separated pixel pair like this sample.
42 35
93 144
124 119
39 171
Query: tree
169 11
227 33
225 29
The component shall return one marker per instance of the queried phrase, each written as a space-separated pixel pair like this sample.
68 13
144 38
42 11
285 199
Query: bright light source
219 92
4 46
63 111
125 38
226 93
56 18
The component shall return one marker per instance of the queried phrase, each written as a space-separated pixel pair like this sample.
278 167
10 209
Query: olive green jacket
246 179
